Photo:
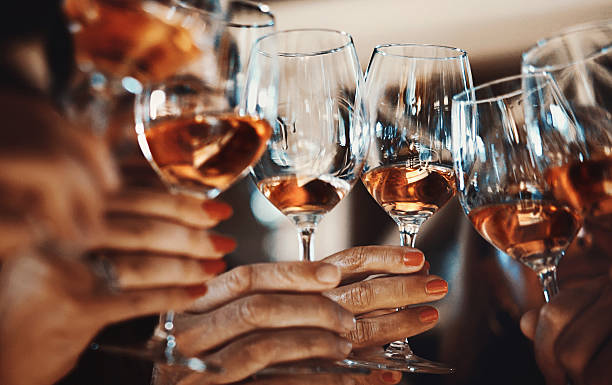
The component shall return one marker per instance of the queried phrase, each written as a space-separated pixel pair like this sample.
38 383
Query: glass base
156 351
398 359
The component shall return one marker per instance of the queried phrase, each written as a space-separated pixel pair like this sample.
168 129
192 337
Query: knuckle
550 314
239 280
354 259
260 350
361 295
252 310
363 333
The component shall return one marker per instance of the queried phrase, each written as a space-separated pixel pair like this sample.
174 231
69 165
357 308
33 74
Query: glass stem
548 278
408 233
306 238
400 350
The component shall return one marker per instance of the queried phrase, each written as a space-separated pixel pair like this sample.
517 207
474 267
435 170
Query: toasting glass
199 138
319 137
409 170
580 61
508 138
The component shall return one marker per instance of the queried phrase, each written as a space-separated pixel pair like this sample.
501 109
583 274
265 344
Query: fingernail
345 347
327 273
214 267
428 315
413 259
217 210
222 244
197 291
391 377
436 286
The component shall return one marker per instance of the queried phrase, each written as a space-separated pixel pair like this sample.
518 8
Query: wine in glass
507 135
580 61
319 137
197 135
409 169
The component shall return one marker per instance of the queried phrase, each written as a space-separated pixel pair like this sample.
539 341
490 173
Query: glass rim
346 35
217 16
508 79
261 7
461 53
589 26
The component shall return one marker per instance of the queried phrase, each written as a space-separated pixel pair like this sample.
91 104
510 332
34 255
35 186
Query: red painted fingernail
428 315
222 244
391 377
436 286
413 259
197 291
214 267
217 210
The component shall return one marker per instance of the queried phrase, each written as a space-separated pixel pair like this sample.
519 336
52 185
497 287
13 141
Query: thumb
529 321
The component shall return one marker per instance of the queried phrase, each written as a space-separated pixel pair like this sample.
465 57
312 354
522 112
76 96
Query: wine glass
580 61
507 136
319 137
114 60
196 135
409 170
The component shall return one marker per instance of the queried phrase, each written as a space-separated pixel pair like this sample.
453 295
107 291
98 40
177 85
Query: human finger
359 262
114 307
256 351
139 271
529 322
94 155
376 377
162 237
552 319
201 332
266 277
16 234
180 208
598 371
585 335
377 331
389 292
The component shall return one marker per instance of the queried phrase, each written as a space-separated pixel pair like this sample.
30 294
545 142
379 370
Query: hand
237 314
53 178
374 300
573 334
144 233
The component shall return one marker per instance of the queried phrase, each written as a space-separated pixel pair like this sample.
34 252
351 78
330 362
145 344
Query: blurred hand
572 334
157 253
53 178
258 315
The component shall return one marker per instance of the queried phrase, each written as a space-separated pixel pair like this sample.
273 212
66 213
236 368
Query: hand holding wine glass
196 135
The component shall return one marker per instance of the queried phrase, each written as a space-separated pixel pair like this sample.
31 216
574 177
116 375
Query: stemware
319 137
194 132
507 136
114 60
409 170
580 61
